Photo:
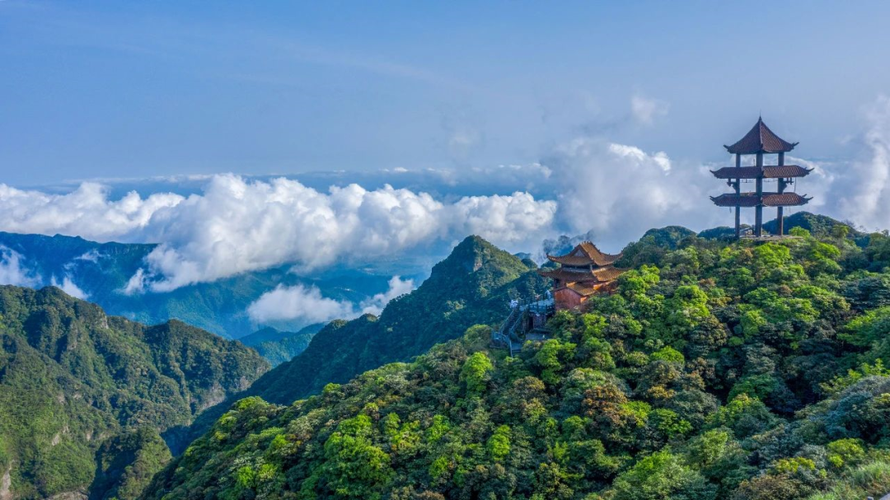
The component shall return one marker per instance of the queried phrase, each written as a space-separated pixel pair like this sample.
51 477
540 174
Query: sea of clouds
237 224
229 224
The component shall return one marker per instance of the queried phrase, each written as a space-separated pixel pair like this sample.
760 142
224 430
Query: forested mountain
100 273
277 346
820 226
474 285
85 397
718 370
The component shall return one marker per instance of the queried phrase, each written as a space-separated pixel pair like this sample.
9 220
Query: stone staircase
505 335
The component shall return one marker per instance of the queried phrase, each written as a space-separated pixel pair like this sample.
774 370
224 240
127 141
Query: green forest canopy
717 370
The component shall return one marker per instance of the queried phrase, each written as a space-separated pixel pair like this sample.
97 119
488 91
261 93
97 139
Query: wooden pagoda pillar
738 193
780 211
758 210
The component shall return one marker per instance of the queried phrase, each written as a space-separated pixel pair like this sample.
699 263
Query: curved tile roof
769 200
769 172
760 139
584 254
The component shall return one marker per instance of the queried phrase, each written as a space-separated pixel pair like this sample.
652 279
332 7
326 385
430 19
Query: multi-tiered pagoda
758 142
583 272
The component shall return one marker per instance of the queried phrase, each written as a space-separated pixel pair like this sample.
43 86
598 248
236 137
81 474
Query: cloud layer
620 191
306 303
236 225
85 212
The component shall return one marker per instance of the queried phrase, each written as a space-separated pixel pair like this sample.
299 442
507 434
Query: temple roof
601 275
769 172
583 290
760 139
769 200
585 254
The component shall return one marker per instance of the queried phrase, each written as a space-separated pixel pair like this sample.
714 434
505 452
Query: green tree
353 466
475 371
662 475
499 443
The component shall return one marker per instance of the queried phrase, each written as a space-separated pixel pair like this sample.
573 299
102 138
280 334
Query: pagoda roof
585 254
584 290
600 275
769 172
769 200
760 139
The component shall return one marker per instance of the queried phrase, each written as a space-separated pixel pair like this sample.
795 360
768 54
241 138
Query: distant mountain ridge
101 271
85 397
277 346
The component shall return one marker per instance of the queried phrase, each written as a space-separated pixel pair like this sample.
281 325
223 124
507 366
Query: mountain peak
475 254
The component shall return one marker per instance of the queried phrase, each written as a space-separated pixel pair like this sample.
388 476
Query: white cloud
297 302
512 218
12 270
236 225
864 189
68 286
397 288
85 211
91 256
646 111
819 185
136 284
620 191
306 303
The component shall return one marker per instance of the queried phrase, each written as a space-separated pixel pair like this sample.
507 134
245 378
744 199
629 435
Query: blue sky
106 89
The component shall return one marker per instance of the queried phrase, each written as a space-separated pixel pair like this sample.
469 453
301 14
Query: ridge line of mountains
100 272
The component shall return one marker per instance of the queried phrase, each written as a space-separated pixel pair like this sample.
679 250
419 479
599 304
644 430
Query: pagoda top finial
760 139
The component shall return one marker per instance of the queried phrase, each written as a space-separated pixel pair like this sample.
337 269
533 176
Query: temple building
583 272
760 141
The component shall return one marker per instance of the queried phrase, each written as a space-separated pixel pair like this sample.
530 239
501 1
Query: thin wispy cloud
647 110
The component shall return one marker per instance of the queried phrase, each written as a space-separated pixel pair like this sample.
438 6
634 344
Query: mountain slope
737 371
278 347
474 285
72 379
